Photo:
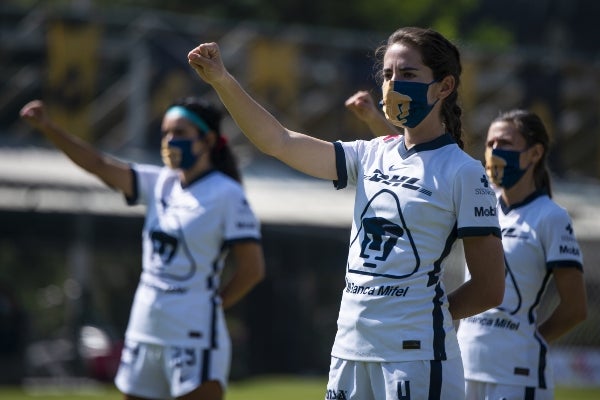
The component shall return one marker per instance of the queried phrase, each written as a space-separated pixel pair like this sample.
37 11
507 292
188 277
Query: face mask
405 103
179 150
503 167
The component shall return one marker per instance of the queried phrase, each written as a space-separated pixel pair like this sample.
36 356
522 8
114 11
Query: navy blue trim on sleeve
248 239
479 231
564 264
340 166
133 199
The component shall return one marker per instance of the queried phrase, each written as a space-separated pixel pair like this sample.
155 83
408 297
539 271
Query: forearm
114 173
79 151
485 288
260 126
380 126
237 288
561 321
467 300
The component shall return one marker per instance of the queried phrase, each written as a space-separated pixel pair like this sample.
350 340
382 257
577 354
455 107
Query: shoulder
549 209
224 184
551 213
372 145
148 169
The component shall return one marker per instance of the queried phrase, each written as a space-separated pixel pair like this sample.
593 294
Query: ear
446 87
537 152
210 138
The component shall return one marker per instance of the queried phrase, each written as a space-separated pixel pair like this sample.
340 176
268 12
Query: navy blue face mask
184 147
503 167
405 103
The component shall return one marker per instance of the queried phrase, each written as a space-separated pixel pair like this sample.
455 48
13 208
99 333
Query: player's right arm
111 171
307 154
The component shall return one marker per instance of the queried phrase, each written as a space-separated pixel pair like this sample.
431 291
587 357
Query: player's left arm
485 288
572 308
249 270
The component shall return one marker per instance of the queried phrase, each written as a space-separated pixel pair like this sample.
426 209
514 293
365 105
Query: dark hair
533 130
443 57
221 155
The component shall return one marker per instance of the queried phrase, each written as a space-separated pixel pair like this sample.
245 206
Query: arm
111 171
572 308
249 271
485 289
362 105
307 154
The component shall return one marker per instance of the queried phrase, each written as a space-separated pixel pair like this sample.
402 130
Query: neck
432 127
519 192
189 175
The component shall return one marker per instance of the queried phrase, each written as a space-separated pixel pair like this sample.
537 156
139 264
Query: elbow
259 274
580 315
493 296
493 300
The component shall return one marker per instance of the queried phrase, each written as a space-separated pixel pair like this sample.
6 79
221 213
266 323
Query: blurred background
70 249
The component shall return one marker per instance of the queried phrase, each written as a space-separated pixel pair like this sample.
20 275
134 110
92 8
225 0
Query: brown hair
533 130
443 57
221 155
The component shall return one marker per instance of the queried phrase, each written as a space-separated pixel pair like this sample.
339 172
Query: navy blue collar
197 178
506 208
436 143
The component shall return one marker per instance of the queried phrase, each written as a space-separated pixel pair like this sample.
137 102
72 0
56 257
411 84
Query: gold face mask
395 105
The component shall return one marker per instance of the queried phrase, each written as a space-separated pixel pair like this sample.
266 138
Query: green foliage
381 16
489 36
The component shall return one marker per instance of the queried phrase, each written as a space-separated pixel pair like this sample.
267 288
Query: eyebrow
405 69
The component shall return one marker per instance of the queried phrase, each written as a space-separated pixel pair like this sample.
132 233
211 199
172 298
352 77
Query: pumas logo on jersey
396 180
485 212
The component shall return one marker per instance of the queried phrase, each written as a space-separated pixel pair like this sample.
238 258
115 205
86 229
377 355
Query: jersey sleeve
475 202
559 241
241 224
144 182
347 161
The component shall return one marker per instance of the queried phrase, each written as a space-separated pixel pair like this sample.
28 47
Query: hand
34 113
206 61
362 105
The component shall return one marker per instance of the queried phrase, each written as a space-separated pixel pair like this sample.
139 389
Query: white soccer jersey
502 345
410 207
185 237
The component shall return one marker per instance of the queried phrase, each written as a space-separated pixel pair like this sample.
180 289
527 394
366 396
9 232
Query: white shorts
477 390
154 371
410 380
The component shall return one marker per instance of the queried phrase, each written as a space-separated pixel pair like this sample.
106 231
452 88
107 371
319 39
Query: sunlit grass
258 388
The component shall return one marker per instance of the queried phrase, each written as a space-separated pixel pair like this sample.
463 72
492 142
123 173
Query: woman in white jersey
177 344
415 195
505 349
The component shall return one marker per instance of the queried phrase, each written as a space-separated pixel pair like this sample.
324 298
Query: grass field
260 388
